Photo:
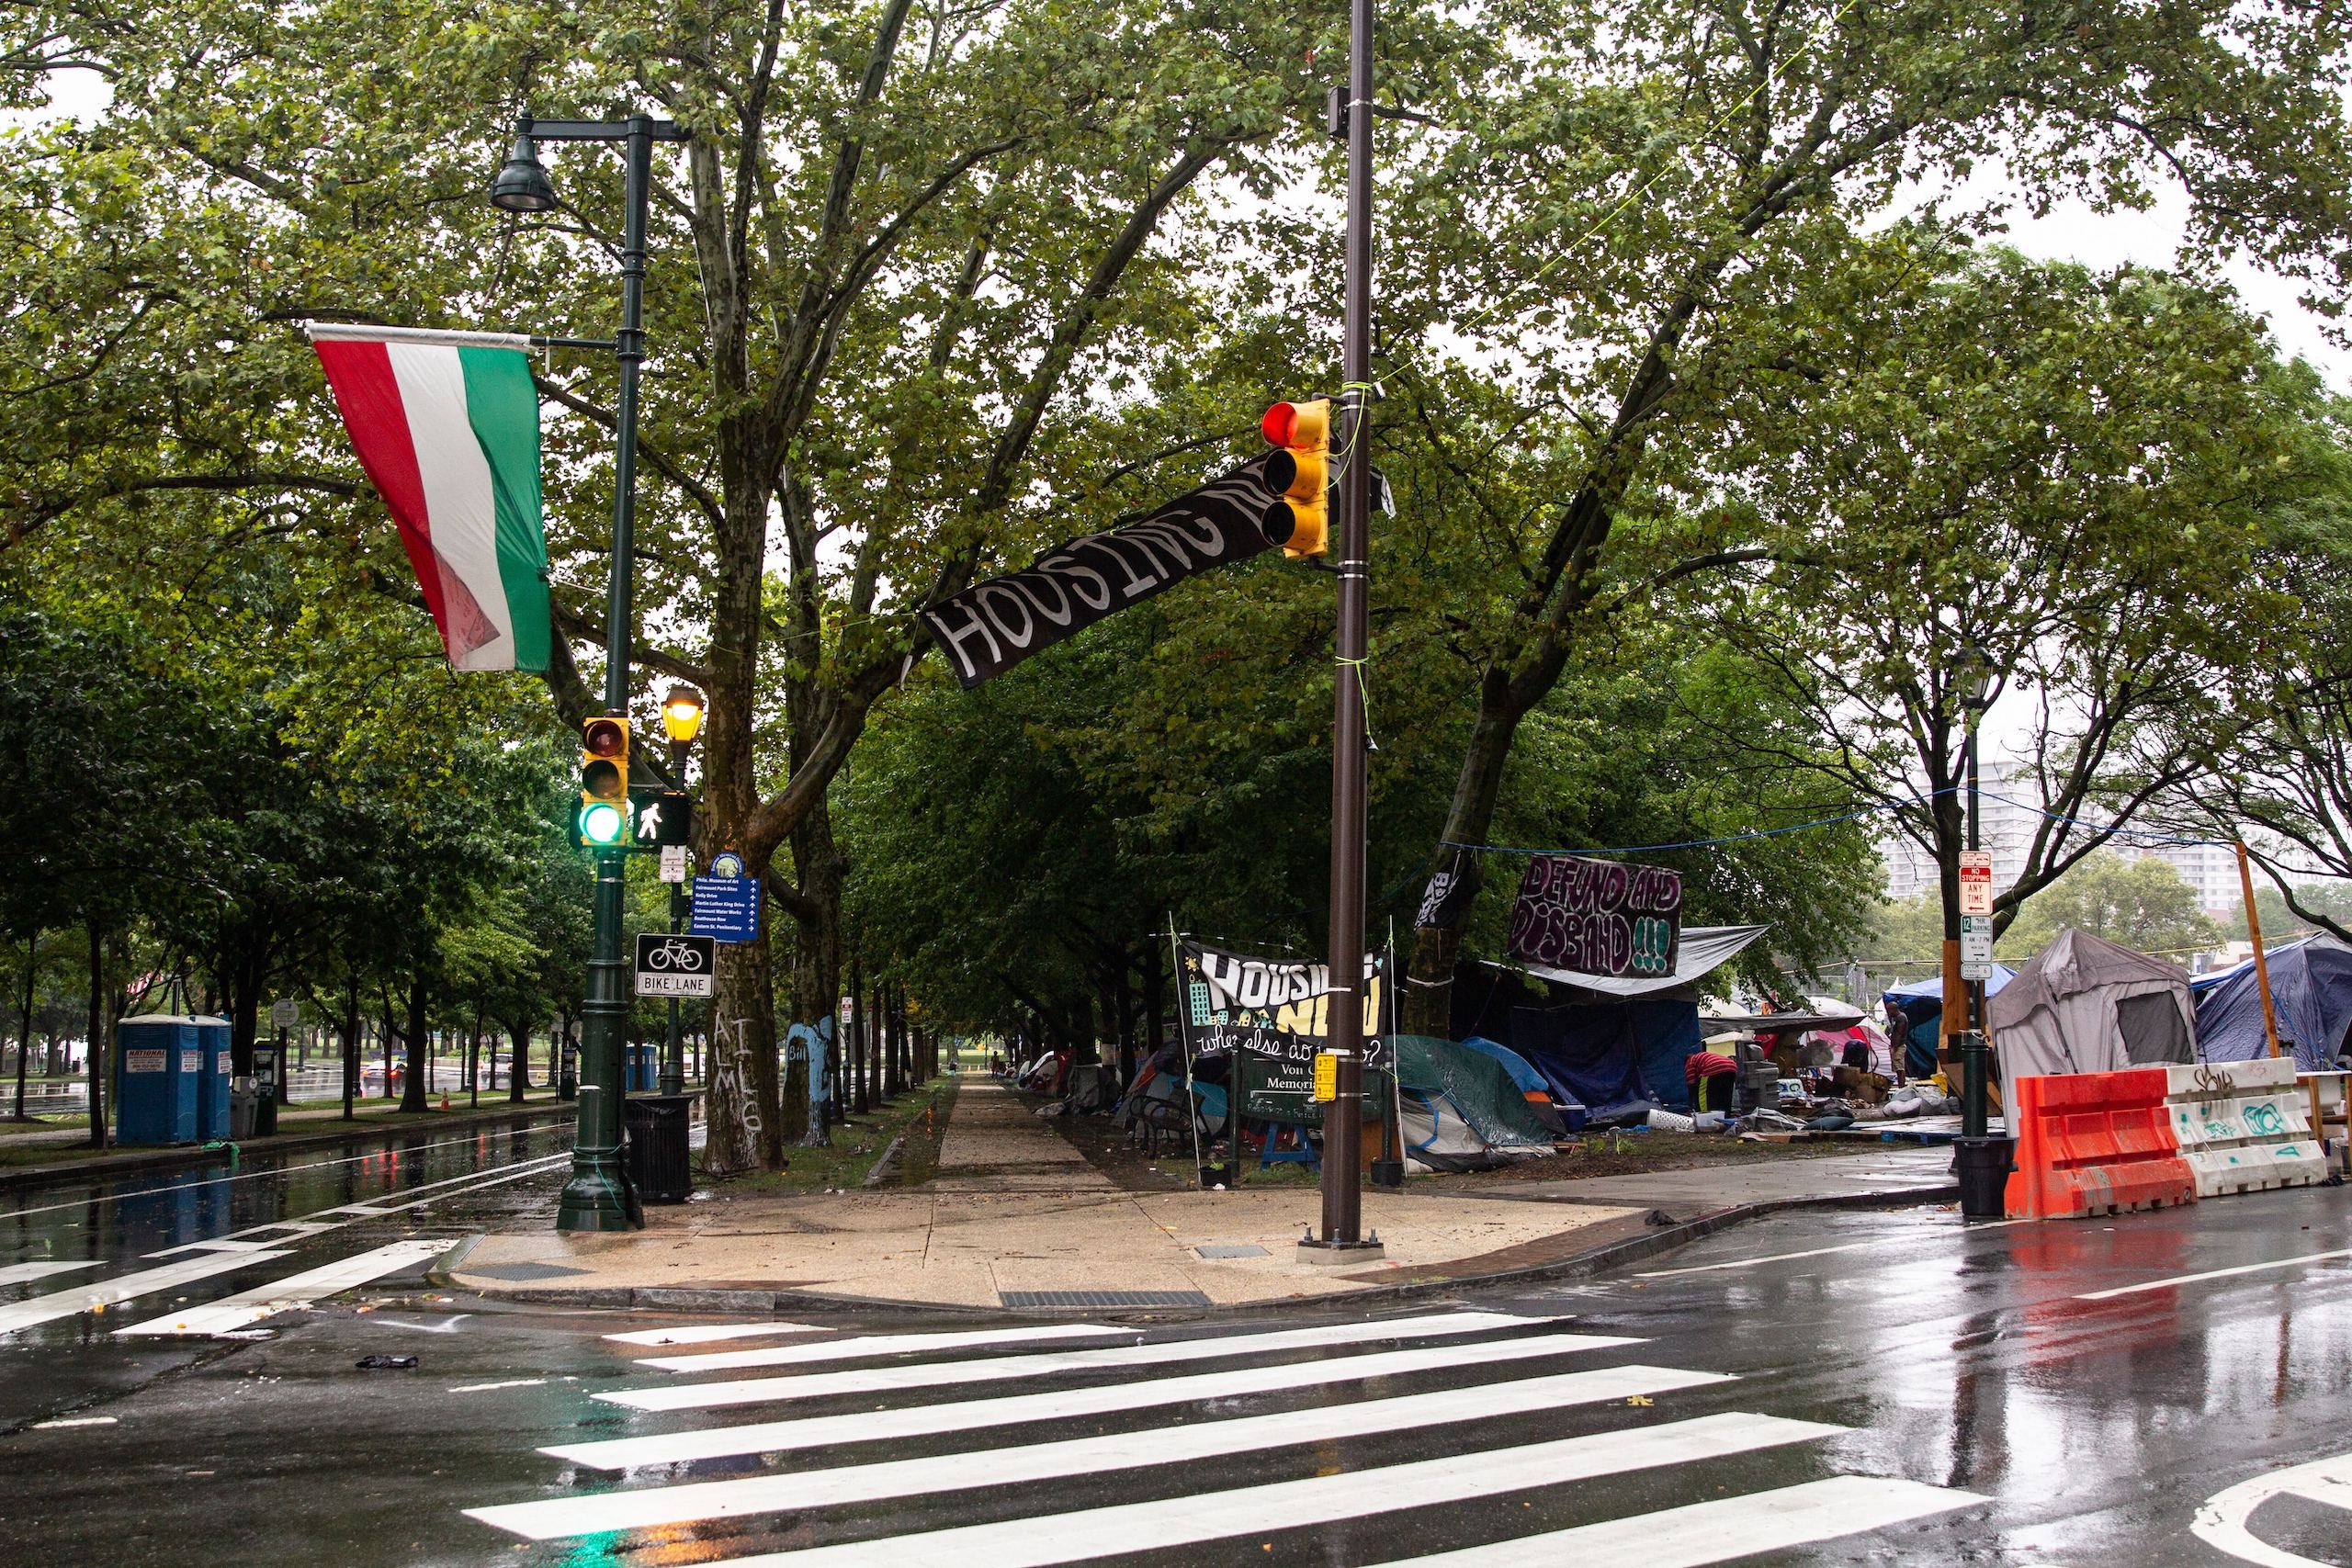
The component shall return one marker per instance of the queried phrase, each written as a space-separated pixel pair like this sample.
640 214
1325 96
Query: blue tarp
1923 1003
1600 1055
1522 1071
2310 987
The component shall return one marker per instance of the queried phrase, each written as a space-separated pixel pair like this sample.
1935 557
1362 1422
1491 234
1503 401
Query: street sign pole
1342 1234
673 1062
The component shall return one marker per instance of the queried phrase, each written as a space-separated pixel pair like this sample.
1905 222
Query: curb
1633 1249
194 1155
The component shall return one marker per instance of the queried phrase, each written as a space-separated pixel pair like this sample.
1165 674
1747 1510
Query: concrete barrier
2242 1126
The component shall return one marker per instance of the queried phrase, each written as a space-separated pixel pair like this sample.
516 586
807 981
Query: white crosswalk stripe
875 1380
1078 1456
20 1273
125 1287
867 1345
924 1420
1237 1475
248 1307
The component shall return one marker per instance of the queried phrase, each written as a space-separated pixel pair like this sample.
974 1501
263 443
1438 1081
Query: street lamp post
1974 677
682 721
598 1197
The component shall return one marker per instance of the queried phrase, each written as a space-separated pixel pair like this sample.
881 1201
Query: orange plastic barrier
2094 1144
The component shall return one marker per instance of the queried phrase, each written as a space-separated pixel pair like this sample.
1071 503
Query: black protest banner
1273 1016
1593 917
993 625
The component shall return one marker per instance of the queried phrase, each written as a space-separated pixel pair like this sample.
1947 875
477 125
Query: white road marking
941 1374
247 1307
74 1421
884 1345
2211 1274
570 1516
486 1387
2221 1522
1753 1262
19 1273
1126 1528
291 1231
124 1287
1720 1530
706 1332
924 1420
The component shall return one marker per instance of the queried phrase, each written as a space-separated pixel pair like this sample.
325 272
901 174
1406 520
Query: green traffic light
603 824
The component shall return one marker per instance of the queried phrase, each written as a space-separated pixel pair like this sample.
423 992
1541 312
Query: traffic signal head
603 781
1299 474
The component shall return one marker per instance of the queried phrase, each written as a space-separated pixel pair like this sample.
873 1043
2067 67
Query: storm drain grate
1104 1298
1240 1249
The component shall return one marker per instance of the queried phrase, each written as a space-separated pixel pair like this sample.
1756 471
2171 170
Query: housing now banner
1594 916
989 628
1274 1016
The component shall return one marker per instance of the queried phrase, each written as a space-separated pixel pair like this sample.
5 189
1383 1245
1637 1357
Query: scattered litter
382 1363
74 1421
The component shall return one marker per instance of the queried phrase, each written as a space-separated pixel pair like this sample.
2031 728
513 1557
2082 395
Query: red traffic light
604 737
1278 423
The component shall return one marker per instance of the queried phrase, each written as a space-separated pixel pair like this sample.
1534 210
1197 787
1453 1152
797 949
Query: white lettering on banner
1029 583
982 597
956 635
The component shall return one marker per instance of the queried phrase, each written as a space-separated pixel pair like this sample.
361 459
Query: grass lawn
849 1158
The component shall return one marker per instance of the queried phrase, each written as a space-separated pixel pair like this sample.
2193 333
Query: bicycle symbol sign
672 966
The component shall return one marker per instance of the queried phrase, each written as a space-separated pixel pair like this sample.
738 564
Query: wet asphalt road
1983 1390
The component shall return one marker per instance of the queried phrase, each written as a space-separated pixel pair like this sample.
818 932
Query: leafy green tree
2137 900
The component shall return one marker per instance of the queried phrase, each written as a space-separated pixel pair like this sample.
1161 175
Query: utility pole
1342 1238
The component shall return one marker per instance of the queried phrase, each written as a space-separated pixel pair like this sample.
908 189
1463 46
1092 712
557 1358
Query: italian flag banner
447 426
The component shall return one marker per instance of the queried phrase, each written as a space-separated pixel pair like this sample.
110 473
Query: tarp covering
2310 989
1523 1072
1922 1002
1605 1054
1460 1109
2087 1005
1702 950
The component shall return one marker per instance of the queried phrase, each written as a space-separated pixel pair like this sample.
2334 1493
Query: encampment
2087 1005
2311 990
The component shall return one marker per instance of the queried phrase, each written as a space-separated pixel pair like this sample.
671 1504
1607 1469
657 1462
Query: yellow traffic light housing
603 781
1299 473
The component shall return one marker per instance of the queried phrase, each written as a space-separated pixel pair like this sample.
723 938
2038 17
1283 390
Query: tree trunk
519 1060
97 1041
1429 1003
816 966
350 1044
419 1046
740 1103
860 1017
24 1021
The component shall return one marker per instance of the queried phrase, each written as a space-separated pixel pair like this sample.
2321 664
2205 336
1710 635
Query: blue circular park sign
727 862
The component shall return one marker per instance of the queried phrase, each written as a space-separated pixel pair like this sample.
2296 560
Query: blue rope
2130 835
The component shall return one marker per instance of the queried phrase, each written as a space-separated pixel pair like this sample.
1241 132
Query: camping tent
2087 1005
2310 989
1533 1086
1922 1002
1459 1107
1601 1043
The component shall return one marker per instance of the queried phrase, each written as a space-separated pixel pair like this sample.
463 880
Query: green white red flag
446 425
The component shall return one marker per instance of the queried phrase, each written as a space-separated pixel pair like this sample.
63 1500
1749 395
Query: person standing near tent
1898 1039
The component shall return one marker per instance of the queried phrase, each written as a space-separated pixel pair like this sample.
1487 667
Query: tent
1534 1088
2311 990
2087 1005
1461 1109
1600 1042
1922 1002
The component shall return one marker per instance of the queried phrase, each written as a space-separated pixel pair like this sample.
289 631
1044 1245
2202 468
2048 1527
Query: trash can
241 1109
1984 1165
657 1163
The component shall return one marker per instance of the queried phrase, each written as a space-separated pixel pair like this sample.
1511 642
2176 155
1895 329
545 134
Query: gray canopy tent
2086 1005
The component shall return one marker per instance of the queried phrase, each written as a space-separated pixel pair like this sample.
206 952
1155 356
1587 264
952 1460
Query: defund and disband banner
447 424
1274 1015
1593 917
989 628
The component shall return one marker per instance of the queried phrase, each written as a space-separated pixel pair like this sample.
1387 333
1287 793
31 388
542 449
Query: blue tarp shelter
1523 1072
1923 1003
2310 987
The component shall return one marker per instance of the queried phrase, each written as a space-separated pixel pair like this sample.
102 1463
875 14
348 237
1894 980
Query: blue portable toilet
212 1085
159 1059
641 1068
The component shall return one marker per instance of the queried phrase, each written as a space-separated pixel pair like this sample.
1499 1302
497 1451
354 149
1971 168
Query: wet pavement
1847 1386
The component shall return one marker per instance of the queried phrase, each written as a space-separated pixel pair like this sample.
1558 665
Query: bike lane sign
669 965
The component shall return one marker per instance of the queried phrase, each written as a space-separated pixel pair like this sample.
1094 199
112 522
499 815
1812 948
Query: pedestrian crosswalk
1003 1449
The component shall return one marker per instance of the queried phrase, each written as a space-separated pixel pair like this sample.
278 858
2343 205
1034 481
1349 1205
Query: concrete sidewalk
1014 1217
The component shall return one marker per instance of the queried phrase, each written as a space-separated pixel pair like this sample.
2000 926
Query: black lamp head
522 185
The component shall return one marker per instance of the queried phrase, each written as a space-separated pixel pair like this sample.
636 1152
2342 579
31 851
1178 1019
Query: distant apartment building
2011 819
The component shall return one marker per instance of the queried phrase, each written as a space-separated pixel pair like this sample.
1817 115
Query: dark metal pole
674 1061
1343 1116
1973 1106
598 1197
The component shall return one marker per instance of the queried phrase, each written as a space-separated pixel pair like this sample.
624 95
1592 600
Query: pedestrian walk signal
1299 473
663 817
603 781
